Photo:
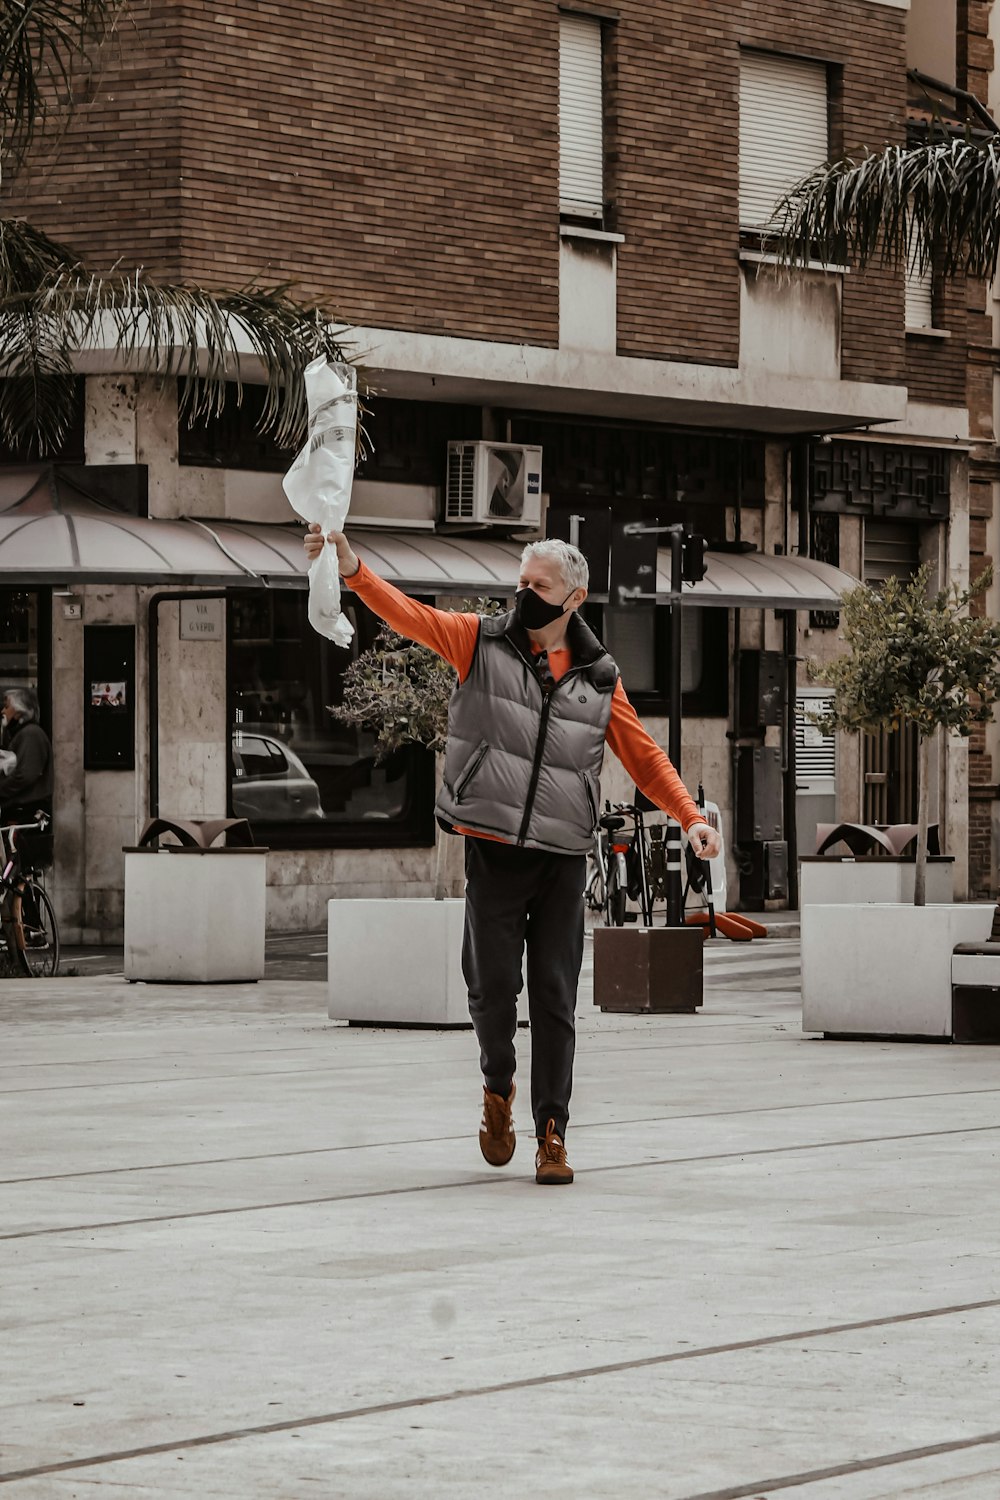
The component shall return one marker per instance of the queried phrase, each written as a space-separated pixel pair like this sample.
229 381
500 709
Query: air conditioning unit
493 484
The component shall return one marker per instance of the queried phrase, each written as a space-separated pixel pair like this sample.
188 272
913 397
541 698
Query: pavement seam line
757 1490
351 1066
564 1377
466 1182
435 1140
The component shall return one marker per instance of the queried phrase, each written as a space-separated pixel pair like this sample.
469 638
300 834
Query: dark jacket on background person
29 785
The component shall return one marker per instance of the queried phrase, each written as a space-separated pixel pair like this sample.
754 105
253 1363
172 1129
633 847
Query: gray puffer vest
524 764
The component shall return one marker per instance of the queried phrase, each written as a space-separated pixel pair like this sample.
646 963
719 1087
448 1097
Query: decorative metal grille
879 479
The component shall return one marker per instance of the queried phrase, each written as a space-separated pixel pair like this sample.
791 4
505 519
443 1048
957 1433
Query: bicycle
29 932
618 867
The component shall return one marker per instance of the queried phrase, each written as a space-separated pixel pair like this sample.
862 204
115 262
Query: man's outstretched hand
314 542
704 840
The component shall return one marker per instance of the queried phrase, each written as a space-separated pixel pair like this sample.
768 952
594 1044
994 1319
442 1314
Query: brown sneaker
551 1165
496 1134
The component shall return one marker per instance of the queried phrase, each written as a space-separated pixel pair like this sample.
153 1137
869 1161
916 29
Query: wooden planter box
648 970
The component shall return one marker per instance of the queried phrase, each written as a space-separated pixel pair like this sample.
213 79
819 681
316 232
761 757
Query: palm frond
52 308
899 206
28 256
41 43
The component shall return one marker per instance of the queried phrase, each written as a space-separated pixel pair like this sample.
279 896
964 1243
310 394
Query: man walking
537 699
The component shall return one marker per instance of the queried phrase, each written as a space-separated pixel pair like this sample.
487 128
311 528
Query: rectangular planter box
824 880
883 970
195 916
398 962
648 970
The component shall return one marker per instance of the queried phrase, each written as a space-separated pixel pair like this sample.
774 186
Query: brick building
541 224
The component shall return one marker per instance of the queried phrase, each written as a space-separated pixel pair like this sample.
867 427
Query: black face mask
534 612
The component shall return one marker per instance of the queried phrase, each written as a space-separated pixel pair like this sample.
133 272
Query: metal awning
758 580
426 562
52 530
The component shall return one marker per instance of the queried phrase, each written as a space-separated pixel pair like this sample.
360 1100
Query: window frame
751 231
710 700
587 212
415 829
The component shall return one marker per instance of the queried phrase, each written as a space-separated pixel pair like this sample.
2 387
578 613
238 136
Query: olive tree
914 657
400 691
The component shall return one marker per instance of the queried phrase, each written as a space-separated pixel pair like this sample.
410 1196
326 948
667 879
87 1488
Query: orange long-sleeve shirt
453 636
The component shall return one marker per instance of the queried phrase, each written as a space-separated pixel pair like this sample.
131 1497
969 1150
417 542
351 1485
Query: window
891 550
784 129
231 439
302 778
581 118
25 643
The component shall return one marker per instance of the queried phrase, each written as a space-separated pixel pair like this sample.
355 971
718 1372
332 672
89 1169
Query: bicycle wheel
616 897
39 957
594 893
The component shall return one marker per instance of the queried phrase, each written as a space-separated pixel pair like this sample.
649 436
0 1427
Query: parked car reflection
270 783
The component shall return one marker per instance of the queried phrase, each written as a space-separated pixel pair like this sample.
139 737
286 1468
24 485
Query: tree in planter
400 691
914 658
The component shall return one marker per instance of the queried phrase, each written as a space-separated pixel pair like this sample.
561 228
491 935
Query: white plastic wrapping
319 484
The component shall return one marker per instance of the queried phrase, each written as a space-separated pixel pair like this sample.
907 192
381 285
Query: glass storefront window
19 639
303 777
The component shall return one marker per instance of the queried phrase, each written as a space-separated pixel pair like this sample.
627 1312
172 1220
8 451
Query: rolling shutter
919 296
581 122
891 549
784 131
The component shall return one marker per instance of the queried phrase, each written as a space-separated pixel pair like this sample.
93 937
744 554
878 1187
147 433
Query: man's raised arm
445 632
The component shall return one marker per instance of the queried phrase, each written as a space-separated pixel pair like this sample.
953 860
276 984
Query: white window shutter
919 295
784 129
581 117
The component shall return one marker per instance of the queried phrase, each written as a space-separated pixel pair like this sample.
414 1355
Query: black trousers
524 902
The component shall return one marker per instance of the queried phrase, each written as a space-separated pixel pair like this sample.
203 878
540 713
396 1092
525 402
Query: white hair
568 559
24 702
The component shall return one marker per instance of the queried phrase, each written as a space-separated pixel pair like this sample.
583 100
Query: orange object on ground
738 928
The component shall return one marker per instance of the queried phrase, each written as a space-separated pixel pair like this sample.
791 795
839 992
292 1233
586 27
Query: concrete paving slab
246 1252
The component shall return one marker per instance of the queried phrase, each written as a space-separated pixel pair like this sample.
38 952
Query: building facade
541 226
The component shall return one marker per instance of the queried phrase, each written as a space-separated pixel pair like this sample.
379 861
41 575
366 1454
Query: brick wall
107 182
403 171
678 138
936 368
406 167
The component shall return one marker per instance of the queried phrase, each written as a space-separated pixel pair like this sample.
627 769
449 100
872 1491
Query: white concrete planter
824 881
194 916
398 962
883 970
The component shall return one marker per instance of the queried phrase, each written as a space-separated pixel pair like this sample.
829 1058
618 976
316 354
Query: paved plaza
251 1253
